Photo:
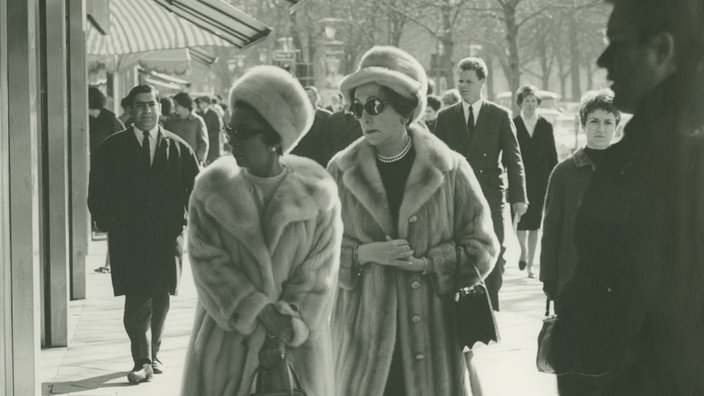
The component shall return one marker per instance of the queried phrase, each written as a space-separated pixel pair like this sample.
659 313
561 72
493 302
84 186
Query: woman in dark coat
539 158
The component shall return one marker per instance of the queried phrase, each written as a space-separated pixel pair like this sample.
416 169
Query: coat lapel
361 177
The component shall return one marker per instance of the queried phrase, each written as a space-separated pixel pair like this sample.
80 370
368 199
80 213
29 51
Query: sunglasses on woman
372 107
240 134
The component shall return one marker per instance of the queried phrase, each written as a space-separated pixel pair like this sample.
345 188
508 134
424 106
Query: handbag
276 380
542 360
474 315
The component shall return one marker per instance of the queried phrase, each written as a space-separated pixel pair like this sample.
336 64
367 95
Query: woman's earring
272 149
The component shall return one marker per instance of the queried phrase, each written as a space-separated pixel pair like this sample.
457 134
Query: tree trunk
514 73
575 60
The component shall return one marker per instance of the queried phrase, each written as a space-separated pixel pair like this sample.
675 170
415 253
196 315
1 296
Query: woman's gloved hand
277 324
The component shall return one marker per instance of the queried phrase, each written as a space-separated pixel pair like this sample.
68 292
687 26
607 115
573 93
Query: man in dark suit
314 143
484 133
214 124
140 182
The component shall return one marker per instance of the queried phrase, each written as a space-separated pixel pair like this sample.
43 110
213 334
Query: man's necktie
470 120
146 151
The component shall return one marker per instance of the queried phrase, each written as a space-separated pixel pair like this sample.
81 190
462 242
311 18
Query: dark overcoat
539 158
143 210
314 144
632 319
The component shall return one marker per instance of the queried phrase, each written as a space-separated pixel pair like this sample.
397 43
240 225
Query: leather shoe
522 265
143 374
157 366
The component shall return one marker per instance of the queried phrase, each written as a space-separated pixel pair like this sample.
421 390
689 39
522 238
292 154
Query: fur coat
243 260
382 306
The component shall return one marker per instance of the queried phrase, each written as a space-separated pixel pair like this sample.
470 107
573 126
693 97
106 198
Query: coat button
415 284
415 318
413 219
481 170
483 154
419 356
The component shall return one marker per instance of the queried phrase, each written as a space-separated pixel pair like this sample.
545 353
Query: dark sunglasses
372 107
240 134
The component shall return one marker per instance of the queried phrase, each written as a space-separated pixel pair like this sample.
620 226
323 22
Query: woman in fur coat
264 242
407 199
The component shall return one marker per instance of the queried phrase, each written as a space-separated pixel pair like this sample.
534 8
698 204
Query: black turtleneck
594 155
394 176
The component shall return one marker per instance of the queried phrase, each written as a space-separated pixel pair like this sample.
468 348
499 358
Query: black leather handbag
276 380
544 341
474 315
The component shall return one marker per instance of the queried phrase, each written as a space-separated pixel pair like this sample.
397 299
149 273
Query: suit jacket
142 209
192 129
491 147
314 143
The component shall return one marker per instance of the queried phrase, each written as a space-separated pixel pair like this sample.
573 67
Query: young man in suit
140 182
484 133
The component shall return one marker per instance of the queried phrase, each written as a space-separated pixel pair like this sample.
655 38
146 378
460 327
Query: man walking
140 182
188 125
214 124
315 144
484 133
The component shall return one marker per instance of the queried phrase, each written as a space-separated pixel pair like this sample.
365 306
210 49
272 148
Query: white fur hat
393 68
279 98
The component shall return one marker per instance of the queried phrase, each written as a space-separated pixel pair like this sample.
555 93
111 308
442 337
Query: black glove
272 352
277 324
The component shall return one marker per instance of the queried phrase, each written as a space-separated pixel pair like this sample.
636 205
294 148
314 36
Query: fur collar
229 199
360 175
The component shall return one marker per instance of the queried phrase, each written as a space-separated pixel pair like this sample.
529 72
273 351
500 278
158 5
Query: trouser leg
137 317
495 279
160 307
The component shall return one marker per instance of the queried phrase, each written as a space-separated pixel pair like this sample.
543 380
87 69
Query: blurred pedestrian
631 320
558 257
140 182
167 109
450 97
343 129
407 200
101 121
316 142
336 103
484 133
539 155
264 242
214 124
431 111
189 126
126 116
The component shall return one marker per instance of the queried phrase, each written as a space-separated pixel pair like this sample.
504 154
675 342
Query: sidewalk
98 358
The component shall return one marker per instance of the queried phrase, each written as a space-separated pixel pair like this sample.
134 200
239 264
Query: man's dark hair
684 19
527 90
204 99
271 136
184 100
476 64
125 103
96 98
598 100
434 102
141 89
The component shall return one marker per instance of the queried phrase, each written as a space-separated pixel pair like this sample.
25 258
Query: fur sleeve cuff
300 330
244 319
441 263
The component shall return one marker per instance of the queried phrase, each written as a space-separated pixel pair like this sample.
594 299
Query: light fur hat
279 98
391 67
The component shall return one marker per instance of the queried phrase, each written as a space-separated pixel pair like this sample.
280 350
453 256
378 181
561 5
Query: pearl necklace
398 156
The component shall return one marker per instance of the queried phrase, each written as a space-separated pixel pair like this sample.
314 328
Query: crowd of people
333 239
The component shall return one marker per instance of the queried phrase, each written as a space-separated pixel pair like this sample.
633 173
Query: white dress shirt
476 107
153 138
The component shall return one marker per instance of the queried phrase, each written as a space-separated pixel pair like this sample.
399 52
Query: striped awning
148 25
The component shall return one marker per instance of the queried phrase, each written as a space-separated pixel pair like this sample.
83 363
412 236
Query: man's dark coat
142 209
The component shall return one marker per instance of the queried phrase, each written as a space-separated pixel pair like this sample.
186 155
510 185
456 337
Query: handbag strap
458 262
547 307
